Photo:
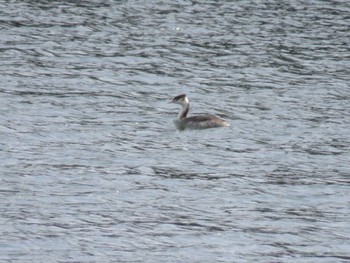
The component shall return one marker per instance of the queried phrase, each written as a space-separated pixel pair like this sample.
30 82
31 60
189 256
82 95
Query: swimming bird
195 122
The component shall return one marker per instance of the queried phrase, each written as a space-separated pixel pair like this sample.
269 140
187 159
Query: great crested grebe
195 122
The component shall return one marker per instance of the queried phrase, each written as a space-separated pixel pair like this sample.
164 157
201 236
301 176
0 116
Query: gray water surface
94 170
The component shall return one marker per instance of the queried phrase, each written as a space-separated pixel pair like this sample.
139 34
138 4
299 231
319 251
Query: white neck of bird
185 108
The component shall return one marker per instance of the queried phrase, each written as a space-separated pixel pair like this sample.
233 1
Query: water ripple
93 167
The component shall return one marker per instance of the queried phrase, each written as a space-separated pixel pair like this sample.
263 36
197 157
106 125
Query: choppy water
93 169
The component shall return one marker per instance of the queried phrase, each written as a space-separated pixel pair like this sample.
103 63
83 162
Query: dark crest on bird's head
179 97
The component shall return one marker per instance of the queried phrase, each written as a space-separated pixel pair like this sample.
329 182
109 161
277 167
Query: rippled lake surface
94 170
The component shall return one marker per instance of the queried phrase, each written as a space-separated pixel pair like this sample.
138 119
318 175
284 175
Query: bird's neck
183 112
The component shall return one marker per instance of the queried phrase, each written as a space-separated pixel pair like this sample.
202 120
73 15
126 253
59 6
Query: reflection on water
93 167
